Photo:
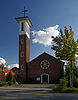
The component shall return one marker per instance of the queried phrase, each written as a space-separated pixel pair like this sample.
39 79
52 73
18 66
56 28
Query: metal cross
24 11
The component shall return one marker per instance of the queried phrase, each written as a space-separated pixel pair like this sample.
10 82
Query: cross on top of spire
24 11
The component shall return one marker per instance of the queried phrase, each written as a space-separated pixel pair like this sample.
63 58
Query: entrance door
44 78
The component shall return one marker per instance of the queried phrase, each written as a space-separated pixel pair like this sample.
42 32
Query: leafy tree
14 80
10 77
2 66
66 48
74 75
16 77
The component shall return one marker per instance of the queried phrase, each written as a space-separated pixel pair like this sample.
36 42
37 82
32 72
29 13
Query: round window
44 64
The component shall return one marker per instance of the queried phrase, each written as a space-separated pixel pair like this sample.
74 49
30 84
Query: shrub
3 83
14 80
69 90
17 78
10 77
75 81
0 83
58 88
65 89
16 83
19 82
63 83
10 83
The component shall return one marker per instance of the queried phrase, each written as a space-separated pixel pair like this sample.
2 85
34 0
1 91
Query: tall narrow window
22 41
22 26
22 54
22 67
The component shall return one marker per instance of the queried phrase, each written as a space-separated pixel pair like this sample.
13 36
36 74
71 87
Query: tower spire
24 11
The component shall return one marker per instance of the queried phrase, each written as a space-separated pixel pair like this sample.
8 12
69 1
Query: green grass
70 90
65 90
8 83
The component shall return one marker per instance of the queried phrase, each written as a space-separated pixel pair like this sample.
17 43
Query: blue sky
43 14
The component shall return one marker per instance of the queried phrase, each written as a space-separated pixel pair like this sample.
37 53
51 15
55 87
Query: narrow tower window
22 41
22 54
22 26
22 67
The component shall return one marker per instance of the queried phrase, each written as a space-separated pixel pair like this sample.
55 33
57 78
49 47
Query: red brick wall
27 49
23 60
54 71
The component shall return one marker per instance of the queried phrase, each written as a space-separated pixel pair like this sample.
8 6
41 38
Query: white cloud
76 63
2 61
12 66
76 55
44 36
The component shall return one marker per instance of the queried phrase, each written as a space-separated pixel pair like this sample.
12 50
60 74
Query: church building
43 69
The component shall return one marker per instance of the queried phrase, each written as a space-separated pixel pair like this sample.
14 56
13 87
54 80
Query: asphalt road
14 93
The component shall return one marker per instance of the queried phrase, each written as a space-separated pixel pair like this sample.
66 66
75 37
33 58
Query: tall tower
24 45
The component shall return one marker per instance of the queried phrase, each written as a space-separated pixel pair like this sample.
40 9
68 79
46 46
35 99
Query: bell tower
24 45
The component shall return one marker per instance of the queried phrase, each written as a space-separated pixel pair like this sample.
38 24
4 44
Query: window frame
42 64
22 54
22 41
22 67
22 26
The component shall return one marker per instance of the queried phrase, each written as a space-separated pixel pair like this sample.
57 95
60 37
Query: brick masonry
54 70
25 48
32 69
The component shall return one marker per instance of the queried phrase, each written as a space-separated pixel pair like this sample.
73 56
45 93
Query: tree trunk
71 83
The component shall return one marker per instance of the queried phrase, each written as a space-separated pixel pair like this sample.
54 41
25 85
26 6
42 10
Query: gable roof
14 68
45 54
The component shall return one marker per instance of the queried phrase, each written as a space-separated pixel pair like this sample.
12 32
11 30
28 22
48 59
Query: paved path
33 92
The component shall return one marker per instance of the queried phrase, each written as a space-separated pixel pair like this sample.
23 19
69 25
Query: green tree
14 80
10 77
66 48
17 78
2 66
74 75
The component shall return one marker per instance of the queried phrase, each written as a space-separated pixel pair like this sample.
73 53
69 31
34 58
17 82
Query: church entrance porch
45 78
